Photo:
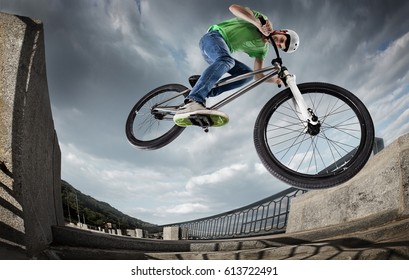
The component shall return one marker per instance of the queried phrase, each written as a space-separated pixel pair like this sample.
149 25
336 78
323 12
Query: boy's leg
216 52
238 69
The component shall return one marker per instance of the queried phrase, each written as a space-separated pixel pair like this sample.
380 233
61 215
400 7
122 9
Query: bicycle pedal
203 121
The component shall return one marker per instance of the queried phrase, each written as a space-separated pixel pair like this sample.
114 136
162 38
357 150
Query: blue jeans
216 52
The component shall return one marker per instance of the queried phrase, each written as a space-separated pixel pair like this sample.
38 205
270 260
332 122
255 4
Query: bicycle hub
314 129
314 124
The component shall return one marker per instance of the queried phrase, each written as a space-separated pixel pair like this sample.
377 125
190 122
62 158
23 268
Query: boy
244 33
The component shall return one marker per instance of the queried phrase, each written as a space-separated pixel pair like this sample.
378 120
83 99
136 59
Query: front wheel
150 123
320 158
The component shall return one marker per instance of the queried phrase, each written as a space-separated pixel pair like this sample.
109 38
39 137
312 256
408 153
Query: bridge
364 218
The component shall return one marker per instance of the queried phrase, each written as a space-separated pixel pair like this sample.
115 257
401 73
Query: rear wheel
319 156
150 123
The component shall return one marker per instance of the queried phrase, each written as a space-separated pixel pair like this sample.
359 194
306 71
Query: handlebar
270 37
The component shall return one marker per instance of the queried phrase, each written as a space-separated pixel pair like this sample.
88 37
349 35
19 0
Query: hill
97 213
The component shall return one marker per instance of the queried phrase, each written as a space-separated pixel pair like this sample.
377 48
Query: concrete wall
377 195
30 189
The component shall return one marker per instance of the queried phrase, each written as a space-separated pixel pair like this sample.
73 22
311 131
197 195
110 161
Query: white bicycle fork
305 114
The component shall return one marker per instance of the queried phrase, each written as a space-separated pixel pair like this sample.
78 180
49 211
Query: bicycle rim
148 127
340 149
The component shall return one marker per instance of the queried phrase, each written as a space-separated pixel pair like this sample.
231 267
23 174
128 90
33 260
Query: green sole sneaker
202 119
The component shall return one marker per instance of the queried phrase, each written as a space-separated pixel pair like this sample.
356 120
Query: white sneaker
183 116
187 109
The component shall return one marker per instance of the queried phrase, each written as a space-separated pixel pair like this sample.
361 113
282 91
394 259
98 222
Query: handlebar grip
263 22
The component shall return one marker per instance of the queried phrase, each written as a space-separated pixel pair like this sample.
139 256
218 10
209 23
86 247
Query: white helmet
292 42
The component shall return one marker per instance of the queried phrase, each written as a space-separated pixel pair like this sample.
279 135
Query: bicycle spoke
291 117
295 154
316 150
286 127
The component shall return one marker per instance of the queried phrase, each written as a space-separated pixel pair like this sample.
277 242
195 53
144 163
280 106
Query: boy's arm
247 15
258 64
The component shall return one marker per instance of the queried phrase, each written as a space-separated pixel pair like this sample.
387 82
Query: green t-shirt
241 35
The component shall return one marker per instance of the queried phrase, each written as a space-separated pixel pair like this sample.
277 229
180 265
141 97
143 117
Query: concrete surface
377 194
30 188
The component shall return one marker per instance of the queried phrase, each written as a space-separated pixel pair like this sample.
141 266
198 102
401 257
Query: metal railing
266 216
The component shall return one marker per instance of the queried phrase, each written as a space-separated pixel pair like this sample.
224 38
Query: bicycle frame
274 71
305 113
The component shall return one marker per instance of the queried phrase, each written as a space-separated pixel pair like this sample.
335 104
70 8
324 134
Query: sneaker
188 108
183 114
181 117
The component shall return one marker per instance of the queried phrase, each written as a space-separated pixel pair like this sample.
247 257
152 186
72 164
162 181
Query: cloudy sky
103 55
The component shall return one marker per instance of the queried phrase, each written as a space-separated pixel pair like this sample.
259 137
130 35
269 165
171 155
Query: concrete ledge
72 237
30 187
377 195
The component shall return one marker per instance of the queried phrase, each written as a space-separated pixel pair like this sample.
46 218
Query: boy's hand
266 29
277 81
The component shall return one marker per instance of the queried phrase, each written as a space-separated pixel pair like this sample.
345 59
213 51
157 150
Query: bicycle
311 135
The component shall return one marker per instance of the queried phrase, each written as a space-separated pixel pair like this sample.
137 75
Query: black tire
336 154
147 128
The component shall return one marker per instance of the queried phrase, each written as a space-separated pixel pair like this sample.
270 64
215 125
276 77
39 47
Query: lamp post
78 213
